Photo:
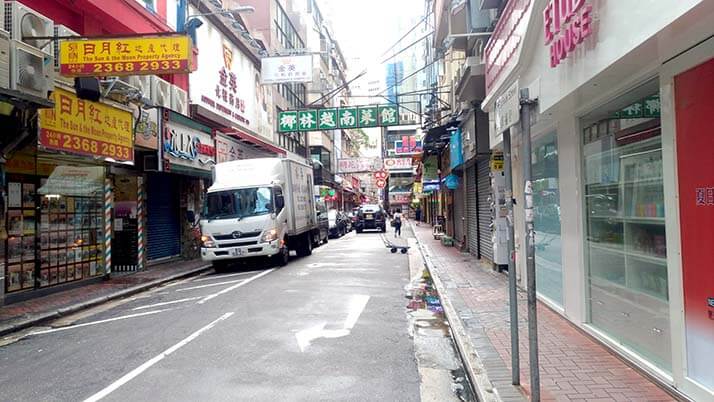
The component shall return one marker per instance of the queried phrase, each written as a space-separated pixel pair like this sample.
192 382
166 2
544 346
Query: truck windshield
240 203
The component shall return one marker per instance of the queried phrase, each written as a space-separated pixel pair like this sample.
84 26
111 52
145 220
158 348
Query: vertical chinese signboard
694 108
169 54
86 128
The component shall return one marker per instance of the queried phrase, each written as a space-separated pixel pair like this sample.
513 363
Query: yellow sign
86 128
167 54
497 161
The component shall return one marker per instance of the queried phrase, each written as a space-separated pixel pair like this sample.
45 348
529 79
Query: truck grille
230 236
236 244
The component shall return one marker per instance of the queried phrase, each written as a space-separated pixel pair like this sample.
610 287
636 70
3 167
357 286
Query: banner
276 70
86 128
146 55
358 165
397 163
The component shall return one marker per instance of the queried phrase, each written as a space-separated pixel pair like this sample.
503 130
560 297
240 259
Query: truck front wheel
306 246
281 259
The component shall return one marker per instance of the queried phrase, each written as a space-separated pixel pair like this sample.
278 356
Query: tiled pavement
23 314
573 367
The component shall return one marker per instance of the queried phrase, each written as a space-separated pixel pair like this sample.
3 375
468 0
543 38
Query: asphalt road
331 326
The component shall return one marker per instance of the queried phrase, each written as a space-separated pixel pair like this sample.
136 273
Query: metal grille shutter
471 209
162 217
459 220
483 181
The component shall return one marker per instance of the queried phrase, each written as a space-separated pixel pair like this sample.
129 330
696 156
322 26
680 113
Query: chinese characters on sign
358 165
168 54
704 196
347 117
566 23
397 163
646 108
86 128
277 70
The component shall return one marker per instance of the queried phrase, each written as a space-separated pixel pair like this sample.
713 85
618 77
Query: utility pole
512 286
526 105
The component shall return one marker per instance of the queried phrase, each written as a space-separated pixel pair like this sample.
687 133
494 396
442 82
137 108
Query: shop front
619 158
58 224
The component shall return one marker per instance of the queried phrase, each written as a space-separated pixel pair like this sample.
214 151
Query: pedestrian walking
397 219
417 214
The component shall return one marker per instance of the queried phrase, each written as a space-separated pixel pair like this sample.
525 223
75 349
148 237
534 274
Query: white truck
261 207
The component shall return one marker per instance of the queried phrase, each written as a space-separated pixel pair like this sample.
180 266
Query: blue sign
456 156
451 182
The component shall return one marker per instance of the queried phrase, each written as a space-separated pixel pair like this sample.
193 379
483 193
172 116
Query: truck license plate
236 252
368 216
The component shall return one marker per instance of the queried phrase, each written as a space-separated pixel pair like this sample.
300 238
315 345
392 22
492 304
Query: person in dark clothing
397 218
417 214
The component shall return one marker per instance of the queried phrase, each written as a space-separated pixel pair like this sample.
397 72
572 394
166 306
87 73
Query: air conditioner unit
60 31
22 22
160 92
179 100
4 60
2 20
31 70
141 83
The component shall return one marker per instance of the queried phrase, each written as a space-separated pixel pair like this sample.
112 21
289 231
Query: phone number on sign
73 143
161 66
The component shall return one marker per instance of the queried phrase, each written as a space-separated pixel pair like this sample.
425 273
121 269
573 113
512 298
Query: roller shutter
162 217
459 213
483 183
471 209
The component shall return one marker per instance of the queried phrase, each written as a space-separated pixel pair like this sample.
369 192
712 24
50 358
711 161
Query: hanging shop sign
381 175
276 70
358 165
146 55
226 85
430 170
497 161
508 109
380 183
407 145
188 146
147 129
397 163
456 156
400 198
566 24
84 127
334 118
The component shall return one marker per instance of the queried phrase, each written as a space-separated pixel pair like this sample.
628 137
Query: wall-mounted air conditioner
141 83
4 60
31 70
179 100
160 92
23 22
61 31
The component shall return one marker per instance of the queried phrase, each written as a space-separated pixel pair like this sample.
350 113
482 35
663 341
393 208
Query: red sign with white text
695 171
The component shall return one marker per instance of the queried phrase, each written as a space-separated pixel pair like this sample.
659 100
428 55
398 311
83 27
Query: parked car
371 217
336 223
323 223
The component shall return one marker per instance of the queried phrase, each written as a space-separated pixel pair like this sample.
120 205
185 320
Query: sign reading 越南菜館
336 118
87 128
275 70
169 54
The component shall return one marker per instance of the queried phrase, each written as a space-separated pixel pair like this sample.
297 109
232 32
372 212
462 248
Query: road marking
209 285
208 278
236 286
166 303
123 317
305 337
134 373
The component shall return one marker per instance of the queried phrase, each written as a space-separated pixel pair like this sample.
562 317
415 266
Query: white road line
134 373
208 278
236 286
123 317
357 305
166 303
209 285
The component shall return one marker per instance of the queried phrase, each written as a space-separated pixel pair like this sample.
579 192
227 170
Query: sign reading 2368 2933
87 128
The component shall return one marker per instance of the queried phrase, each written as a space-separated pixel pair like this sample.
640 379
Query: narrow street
332 326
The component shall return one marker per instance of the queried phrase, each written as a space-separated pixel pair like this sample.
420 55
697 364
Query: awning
253 141
436 138
74 181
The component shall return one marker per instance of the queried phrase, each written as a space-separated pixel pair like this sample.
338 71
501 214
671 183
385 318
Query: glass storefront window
624 206
546 205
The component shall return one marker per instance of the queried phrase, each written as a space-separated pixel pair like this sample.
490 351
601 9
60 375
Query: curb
478 377
42 317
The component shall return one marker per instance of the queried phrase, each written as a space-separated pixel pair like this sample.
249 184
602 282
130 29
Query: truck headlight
207 242
269 235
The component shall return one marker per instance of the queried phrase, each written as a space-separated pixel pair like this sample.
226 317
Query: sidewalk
16 316
572 365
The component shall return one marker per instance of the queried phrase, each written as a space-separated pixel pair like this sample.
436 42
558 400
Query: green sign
327 119
287 122
646 108
388 115
336 118
307 120
347 117
367 116
651 106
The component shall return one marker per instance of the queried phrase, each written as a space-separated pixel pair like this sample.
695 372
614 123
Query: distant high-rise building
395 74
